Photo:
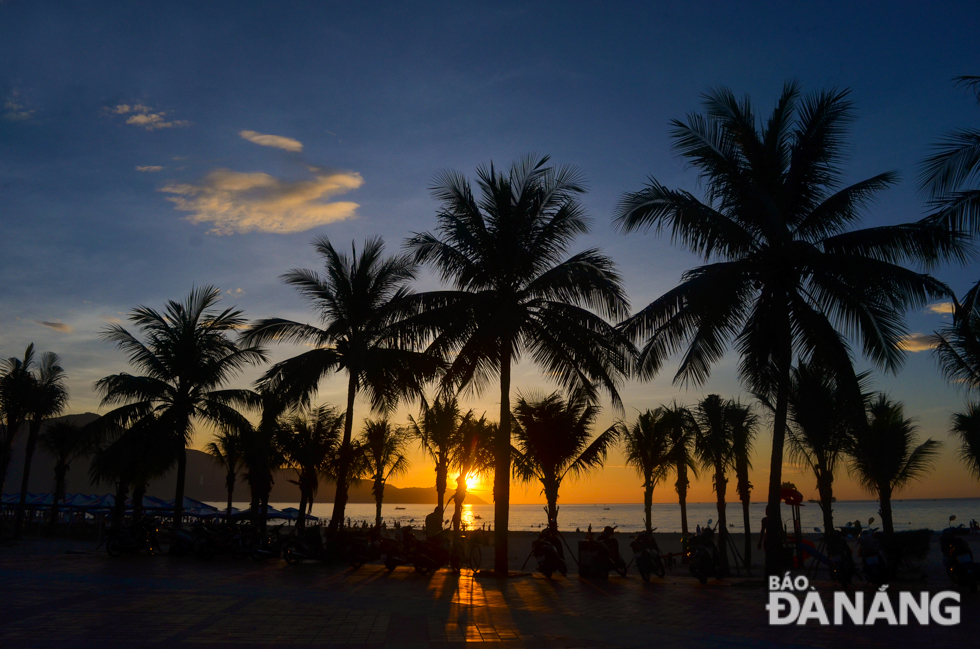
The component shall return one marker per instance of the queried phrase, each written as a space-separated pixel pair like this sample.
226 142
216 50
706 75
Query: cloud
149 168
917 342
944 308
277 141
145 116
14 109
237 202
235 293
57 326
111 319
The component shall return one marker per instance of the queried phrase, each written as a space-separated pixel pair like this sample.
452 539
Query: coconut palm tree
785 270
262 453
64 441
185 357
310 440
966 426
514 291
885 457
226 451
362 301
16 386
384 449
648 448
679 421
554 439
436 431
713 448
472 455
744 426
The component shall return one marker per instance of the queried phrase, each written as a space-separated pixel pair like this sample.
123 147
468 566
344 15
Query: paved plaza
91 600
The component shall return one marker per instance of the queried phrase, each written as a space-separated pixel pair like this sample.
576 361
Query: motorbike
140 535
839 556
264 546
702 554
431 554
647 556
548 553
874 564
400 551
223 538
958 558
302 546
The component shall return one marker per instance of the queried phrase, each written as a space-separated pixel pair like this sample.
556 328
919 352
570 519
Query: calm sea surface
908 514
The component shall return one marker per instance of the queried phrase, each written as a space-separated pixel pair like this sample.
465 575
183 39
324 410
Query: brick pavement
91 600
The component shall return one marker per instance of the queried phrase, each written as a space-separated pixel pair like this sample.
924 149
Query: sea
907 514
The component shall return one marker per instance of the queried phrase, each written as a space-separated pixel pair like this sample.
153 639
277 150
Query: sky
147 148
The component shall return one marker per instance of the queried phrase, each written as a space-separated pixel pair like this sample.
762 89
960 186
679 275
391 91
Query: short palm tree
648 448
554 439
885 457
744 425
226 451
185 357
785 270
16 386
65 441
310 441
436 431
472 455
384 449
966 426
679 421
262 453
362 301
515 292
713 447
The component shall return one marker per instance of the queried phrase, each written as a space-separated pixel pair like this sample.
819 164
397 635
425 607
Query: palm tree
262 453
436 431
48 398
514 292
16 386
310 440
966 426
362 302
384 450
784 270
64 441
679 421
185 359
713 447
554 438
884 456
472 455
648 448
743 425
226 451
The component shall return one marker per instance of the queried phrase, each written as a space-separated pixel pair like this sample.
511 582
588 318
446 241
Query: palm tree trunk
682 496
138 492
648 503
551 495
885 500
379 494
458 498
10 430
340 497
119 509
301 516
747 523
179 495
774 529
501 474
721 486
825 487
441 482
60 471
253 505
230 484
25 480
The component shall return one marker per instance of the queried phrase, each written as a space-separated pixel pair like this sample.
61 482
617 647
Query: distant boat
399 508
478 517
605 509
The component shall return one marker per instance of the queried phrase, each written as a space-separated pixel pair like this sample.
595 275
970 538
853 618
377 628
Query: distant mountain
205 480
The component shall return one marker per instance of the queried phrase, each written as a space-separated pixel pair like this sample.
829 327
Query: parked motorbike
958 558
134 538
264 546
548 553
431 554
302 546
181 542
702 554
647 556
401 549
874 564
220 538
839 556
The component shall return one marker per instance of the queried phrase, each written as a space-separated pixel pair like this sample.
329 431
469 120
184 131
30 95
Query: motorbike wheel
114 548
475 557
620 567
238 550
546 571
659 568
291 557
644 572
699 571
390 564
422 567
562 567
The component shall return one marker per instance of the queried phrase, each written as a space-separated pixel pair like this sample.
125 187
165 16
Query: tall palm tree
16 386
262 453
362 301
472 455
885 457
744 426
184 358
554 438
226 450
679 421
64 441
514 291
384 448
784 269
966 426
648 448
310 441
713 447
436 431
48 398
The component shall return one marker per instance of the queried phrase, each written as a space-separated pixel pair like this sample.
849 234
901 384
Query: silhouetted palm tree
16 385
743 430
514 292
64 441
966 426
226 450
384 449
958 343
310 441
262 453
713 447
554 438
884 455
648 448
436 430
362 302
786 270
185 359
472 455
679 421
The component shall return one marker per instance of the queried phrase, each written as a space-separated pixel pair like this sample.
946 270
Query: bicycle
465 553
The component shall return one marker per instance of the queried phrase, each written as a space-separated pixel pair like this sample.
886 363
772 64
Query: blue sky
149 147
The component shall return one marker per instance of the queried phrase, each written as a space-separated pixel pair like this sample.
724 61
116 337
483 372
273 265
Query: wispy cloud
944 308
917 342
277 141
149 168
111 319
14 108
237 202
149 118
235 293
57 326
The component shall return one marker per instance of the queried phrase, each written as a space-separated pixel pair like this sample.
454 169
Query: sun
472 481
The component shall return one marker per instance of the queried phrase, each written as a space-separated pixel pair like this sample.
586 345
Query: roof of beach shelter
40 500
11 499
194 508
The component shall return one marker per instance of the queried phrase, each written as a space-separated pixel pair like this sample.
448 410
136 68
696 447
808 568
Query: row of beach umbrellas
95 502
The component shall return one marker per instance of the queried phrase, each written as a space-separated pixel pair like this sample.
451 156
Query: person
433 522
762 533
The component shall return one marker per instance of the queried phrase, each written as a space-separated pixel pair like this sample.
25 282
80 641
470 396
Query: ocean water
907 514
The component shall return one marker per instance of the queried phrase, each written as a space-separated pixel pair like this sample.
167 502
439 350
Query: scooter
400 551
958 558
548 553
874 564
839 556
431 554
140 535
647 556
702 554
